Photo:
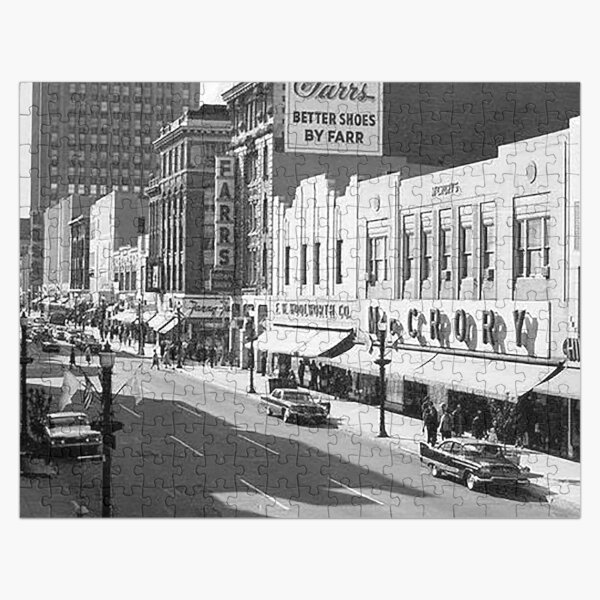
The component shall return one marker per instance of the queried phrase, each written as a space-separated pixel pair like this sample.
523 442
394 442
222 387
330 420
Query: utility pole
179 365
140 326
107 361
251 389
24 362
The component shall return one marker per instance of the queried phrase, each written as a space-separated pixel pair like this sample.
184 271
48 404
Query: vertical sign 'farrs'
224 235
334 117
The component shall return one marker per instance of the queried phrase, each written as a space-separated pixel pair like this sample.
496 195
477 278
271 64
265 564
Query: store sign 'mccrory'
515 330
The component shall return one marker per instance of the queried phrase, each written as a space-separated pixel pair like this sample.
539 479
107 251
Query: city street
191 449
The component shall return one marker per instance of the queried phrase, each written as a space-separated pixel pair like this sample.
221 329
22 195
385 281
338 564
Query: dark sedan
83 341
50 346
473 462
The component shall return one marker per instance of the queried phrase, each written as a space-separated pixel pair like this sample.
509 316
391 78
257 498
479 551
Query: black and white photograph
300 299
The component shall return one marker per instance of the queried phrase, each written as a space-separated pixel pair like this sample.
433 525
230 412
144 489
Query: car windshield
68 421
297 396
482 450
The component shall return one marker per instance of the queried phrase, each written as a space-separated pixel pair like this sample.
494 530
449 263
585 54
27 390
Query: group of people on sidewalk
452 423
319 377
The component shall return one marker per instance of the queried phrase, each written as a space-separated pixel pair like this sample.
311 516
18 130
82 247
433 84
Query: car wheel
470 481
435 472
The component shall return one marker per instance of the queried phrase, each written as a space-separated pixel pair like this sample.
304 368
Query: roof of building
210 112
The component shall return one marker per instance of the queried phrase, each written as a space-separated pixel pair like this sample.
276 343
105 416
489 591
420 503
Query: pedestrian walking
166 359
430 423
458 418
155 361
478 426
212 355
88 355
314 376
72 362
445 423
301 369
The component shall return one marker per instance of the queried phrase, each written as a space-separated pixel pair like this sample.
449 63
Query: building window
377 261
533 249
426 253
408 248
286 266
338 260
488 244
303 249
317 263
265 214
445 250
466 251
265 164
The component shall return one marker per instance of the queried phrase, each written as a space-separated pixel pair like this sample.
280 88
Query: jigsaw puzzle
300 300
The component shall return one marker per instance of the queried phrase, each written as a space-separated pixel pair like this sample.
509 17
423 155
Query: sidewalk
560 477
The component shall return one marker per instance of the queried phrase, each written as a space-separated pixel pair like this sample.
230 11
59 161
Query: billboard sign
334 117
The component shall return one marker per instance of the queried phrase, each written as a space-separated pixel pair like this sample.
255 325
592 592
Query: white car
293 404
70 433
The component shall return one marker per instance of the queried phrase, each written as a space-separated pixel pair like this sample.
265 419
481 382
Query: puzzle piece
322 300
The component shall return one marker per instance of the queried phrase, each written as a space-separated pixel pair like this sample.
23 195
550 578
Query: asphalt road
190 449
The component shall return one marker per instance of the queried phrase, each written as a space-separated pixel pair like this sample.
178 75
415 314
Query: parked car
59 332
70 434
293 404
473 462
84 340
50 345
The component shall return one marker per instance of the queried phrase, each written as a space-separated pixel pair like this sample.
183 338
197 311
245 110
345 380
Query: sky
210 93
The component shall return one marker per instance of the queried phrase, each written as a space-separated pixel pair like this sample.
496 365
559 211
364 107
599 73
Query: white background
449 41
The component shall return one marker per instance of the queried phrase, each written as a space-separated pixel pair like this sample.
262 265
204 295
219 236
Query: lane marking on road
259 445
131 412
259 491
357 492
196 452
192 412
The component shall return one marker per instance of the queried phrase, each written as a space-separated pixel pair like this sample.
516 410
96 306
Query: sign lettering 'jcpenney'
334 118
513 330
224 226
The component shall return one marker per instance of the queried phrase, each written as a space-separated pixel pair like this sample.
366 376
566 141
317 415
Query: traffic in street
191 448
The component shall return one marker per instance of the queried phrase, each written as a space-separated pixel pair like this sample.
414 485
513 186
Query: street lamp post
140 327
179 365
251 389
24 361
107 361
382 362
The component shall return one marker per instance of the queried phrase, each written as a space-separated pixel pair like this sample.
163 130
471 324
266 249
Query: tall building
181 253
116 220
91 138
433 125
57 264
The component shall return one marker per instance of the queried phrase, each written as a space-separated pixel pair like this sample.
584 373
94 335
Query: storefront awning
565 384
360 360
167 326
146 316
127 316
497 379
159 320
307 343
